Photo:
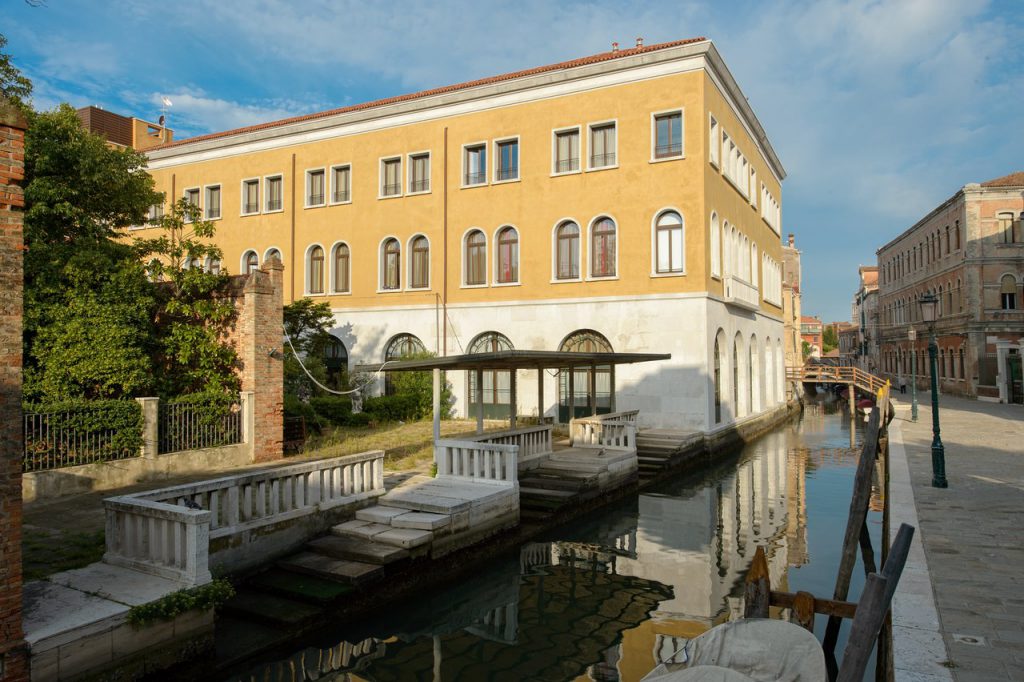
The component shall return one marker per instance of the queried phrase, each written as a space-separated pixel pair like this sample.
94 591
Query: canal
610 596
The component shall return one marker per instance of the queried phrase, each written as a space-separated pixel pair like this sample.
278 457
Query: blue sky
879 109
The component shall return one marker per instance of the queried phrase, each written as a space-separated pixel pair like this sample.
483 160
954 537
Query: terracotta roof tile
582 61
1012 180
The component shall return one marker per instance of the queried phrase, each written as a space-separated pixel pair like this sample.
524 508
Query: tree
88 306
14 87
194 317
307 325
806 349
829 339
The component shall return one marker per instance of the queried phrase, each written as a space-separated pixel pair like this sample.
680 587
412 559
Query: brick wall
257 338
13 655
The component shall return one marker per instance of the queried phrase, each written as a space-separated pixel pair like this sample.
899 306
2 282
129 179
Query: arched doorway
400 346
496 384
586 390
336 362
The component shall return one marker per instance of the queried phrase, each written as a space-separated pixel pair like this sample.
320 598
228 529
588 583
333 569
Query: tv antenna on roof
166 102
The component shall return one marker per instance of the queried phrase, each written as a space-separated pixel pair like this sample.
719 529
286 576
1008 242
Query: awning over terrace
510 360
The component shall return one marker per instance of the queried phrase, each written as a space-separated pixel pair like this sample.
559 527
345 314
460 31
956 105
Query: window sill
473 286
716 276
714 164
507 284
341 293
571 172
504 182
601 168
389 291
601 278
312 295
474 185
211 220
426 288
416 194
246 215
340 203
313 205
667 158
390 196
279 210
566 280
669 274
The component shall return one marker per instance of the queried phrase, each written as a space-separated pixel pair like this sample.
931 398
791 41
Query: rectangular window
602 145
567 151
668 135
213 202
419 172
391 177
192 197
474 164
713 141
275 193
156 212
250 196
508 160
315 189
341 184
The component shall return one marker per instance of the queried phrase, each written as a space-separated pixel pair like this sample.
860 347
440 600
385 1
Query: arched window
1008 292
726 249
744 256
391 265
753 389
476 258
602 248
400 346
668 243
567 251
250 261
716 245
753 266
342 272
272 253
420 265
718 379
212 265
585 389
736 377
315 284
508 256
336 361
496 384
962 375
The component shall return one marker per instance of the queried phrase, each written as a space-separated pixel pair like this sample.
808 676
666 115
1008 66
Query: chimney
615 47
792 240
640 41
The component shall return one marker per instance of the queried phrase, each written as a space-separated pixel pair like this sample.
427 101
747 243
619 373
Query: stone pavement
973 540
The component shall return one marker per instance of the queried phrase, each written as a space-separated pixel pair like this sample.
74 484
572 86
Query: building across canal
608 596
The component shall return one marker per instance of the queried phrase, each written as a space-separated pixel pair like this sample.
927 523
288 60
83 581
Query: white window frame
715 233
408 262
495 156
380 266
259 196
581 251
752 187
591 277
333 168
241 260
308 175
198 204
430 171
682 134
381 174
578 129
266 254
654 241
266 183
462 176
206 197
714 142
462 258
309 271
330 270
614 122
495 263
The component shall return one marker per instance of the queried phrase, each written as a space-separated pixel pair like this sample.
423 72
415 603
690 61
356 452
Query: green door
1016 385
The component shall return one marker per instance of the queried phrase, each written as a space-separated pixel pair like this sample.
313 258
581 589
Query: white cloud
193 112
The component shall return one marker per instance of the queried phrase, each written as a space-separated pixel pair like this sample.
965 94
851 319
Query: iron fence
54 440
194 426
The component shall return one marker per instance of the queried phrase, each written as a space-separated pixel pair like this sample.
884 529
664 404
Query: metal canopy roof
514 359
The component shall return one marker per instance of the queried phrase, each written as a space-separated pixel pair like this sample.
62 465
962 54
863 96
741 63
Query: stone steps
271 609
331 568
378 533
549 483
353 549
298 587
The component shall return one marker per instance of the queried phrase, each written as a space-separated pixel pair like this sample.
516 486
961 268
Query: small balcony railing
341 196
314 199
475 178
602 160
567 165
274 205
662 151
391 190
251 208
419 186
510 173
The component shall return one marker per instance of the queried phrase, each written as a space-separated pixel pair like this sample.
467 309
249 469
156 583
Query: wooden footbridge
829 374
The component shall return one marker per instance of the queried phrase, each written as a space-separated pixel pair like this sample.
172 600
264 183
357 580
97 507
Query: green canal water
610 596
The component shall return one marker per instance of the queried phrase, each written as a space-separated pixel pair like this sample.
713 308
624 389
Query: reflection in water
610 597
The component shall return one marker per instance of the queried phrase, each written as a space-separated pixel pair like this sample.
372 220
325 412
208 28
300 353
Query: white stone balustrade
157 532
532 440
617 430
480 462
158 538
741 293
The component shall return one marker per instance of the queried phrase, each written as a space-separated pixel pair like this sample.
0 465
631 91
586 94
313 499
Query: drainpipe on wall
292 266
444 249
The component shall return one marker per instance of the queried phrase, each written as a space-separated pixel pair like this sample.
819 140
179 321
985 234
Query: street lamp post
929 305
912 336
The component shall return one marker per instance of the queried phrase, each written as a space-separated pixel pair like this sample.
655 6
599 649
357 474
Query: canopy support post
512 399
592 390
437 404
572 393
479 401
540 395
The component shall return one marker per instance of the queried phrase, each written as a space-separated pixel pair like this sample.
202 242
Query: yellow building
628 200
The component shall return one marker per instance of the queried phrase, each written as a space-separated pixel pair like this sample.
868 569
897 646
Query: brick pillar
14 665
260 347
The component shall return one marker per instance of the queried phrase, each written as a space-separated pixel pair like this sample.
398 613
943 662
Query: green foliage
307 324
193 355
829 339
112 428
419 387
805 348
334 409
393 408
14 87
203 598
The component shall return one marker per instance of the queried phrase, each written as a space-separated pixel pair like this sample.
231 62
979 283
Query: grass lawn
45 553
406 445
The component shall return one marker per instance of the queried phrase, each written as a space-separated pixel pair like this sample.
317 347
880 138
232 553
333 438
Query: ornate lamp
929 307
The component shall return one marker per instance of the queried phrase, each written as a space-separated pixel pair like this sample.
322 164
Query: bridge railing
860 378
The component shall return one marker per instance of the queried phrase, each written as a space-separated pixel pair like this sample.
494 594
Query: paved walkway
972 535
